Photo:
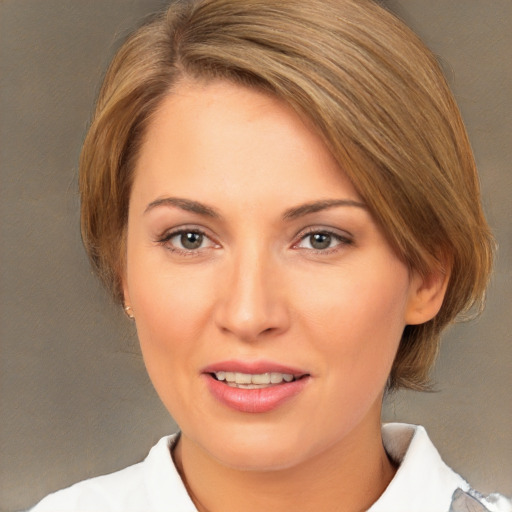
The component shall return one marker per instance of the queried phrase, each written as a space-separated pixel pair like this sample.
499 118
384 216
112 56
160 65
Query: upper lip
253 367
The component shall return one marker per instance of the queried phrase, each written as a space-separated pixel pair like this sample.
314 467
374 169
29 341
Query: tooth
276 378
251 386
252 381
261 378
243 378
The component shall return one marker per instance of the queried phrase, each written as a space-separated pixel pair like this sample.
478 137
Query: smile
253 380
254 387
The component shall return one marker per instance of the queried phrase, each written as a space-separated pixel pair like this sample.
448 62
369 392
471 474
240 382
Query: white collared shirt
423 483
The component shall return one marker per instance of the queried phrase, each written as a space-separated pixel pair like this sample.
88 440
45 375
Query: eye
322 240
190 240
186 241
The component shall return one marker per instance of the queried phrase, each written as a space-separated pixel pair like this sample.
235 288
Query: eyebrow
184 204
317 206
290 214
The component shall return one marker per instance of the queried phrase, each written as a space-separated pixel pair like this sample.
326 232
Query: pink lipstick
254 387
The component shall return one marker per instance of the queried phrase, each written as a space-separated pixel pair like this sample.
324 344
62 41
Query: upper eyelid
341 233
171 232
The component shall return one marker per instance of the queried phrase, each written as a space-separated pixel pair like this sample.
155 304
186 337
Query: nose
253 304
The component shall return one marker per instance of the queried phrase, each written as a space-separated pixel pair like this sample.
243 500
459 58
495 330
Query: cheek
358 316
171 308
163 296
168 310
170 313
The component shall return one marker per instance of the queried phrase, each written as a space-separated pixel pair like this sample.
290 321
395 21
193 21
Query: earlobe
426 296
129 312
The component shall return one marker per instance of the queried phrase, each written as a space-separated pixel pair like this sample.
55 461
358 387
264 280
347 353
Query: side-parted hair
363 81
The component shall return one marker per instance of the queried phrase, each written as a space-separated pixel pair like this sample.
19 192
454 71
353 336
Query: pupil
320 241
191 240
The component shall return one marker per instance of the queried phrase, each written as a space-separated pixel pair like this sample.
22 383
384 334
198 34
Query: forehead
220 136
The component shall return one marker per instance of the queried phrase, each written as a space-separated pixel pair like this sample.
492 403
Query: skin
256 288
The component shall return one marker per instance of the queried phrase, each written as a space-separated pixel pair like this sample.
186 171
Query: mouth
254 380
254 387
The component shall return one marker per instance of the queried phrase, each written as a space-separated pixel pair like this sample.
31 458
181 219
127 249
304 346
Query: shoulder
151 485
423 482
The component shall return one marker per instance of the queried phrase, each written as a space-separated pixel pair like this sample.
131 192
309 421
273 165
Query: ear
426 296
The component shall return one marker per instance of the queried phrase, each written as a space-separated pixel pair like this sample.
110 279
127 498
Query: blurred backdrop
74 397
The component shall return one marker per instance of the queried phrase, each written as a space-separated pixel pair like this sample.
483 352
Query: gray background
75 400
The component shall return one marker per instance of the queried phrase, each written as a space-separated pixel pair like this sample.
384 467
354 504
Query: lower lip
255 400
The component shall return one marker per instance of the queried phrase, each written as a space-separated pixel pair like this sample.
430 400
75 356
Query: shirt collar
423 482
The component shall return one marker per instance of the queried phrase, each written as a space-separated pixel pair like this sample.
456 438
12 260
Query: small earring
129 312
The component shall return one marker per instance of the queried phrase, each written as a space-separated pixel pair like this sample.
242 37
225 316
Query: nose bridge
252 304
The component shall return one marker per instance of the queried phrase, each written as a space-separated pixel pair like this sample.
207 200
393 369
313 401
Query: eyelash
166 237
343 240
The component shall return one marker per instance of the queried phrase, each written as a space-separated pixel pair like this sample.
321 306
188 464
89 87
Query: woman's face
252 261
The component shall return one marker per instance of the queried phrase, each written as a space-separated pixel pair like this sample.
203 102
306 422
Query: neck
354 473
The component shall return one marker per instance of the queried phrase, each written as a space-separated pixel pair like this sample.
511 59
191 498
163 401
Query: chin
257 449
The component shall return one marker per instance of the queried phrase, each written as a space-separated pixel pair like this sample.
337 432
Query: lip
254 400
259 366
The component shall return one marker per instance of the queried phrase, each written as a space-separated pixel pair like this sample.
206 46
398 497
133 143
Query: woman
283 197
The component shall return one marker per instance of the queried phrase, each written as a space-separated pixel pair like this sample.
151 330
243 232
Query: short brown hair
363 80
